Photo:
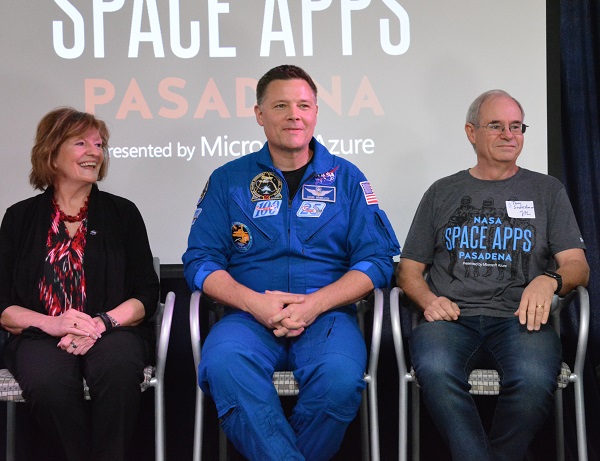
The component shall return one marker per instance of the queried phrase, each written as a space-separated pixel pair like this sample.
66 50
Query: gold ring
539 306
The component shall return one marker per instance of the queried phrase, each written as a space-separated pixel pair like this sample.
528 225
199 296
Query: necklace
69 218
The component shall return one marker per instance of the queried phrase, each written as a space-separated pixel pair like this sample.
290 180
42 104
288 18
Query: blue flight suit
246 223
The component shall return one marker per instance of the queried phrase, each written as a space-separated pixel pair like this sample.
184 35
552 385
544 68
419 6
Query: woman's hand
73 322
15 319
76 344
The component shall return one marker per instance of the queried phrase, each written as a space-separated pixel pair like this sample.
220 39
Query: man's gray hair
475 107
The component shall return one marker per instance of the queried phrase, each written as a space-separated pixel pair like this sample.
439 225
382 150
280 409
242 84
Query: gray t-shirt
484 241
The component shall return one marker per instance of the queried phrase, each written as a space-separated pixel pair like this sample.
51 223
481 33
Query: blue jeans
239 357
444 354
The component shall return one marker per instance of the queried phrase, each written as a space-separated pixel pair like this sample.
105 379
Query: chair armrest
584 328
377 331
195 327
165 316
395 295
558 304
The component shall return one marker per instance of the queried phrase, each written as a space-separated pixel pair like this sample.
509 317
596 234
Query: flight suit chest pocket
310 230
254 218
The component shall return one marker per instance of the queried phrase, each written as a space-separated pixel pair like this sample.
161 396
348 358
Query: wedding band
539 306
73 345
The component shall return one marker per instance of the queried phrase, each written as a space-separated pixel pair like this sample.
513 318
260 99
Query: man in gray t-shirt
496 242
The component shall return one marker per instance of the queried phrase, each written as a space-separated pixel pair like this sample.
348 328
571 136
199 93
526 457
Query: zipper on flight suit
290 200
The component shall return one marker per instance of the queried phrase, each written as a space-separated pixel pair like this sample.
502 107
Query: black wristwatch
556 277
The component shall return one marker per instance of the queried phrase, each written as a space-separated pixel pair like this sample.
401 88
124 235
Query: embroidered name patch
267 208
520 209
265 186
242 239
311 209
320 193
370 196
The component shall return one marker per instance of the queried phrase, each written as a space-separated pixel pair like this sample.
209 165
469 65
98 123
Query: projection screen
175 82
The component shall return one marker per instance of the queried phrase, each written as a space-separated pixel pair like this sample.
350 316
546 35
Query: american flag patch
370 196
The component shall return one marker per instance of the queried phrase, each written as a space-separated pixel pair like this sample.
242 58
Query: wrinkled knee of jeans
532 386
440 376
437 368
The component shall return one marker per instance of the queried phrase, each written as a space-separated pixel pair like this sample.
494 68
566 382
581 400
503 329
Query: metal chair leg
560 426
580 420
364 427
11 432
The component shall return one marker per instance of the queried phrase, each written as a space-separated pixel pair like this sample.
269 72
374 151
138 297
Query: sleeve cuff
204 271
373 272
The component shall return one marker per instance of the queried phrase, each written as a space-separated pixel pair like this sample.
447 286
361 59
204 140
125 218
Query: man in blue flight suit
289 238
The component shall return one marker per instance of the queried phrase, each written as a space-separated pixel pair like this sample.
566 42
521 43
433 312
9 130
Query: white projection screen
175 80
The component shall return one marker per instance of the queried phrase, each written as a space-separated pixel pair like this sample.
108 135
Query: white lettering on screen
73 46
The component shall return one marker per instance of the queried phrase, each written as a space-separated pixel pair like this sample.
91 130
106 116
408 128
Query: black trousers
51 380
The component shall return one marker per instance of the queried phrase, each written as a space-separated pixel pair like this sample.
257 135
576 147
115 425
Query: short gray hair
475 107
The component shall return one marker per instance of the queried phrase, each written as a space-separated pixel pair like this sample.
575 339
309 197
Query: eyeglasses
496 128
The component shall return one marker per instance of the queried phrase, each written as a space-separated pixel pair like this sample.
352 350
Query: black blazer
117 262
